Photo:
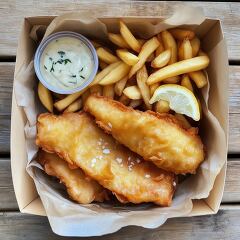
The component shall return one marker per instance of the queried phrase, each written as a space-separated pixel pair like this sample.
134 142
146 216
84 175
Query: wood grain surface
7 195
15 225
224 225
12 13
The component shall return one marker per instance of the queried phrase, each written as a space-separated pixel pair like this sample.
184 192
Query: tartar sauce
66 63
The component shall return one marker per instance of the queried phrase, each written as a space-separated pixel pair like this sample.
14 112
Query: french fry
142 76
185 82
162 59
104 72
132 92
45 97
85 95
127 57
180 51
199 78
170 43
184 122
120 85
118 40
162 106
181 34
175 69
102 64
116 74
95 44
135 103
201 53
160 48
147 49
153 87
141 41
151 57
108 91
129 38
75 106
124 100
172 80
187 49
106 56
65 102
96 89
195 42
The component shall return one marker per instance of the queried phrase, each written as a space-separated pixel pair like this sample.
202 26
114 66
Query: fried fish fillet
159 138
76 138
80 187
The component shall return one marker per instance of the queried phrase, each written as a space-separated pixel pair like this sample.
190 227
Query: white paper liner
71 219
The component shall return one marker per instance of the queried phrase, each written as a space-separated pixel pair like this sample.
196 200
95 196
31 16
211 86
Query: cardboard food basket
213 43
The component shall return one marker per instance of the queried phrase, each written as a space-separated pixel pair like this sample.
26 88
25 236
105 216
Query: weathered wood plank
8 200
234 133
224 225
232 185
234 86
6 79
6 82
7 195
5 125
10 26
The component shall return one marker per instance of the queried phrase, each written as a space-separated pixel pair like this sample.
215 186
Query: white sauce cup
44 44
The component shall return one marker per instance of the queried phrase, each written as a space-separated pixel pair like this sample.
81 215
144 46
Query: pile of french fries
135 68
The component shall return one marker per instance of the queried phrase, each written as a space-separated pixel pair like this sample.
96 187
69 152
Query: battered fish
76 138
159 138
80 188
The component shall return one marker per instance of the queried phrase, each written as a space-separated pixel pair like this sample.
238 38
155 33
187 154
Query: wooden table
14 225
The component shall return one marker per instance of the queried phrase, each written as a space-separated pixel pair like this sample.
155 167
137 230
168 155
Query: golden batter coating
80 187
76 138
159 138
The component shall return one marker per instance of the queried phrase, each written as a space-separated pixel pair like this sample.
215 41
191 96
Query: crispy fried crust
159 138
76 138
80 187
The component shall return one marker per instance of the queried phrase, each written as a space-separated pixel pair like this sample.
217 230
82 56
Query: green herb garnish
60 61
82 76
52 69
73 76
81 69
66 61
45 67
50 58
61 53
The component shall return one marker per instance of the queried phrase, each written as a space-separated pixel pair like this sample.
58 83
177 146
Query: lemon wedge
180 99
